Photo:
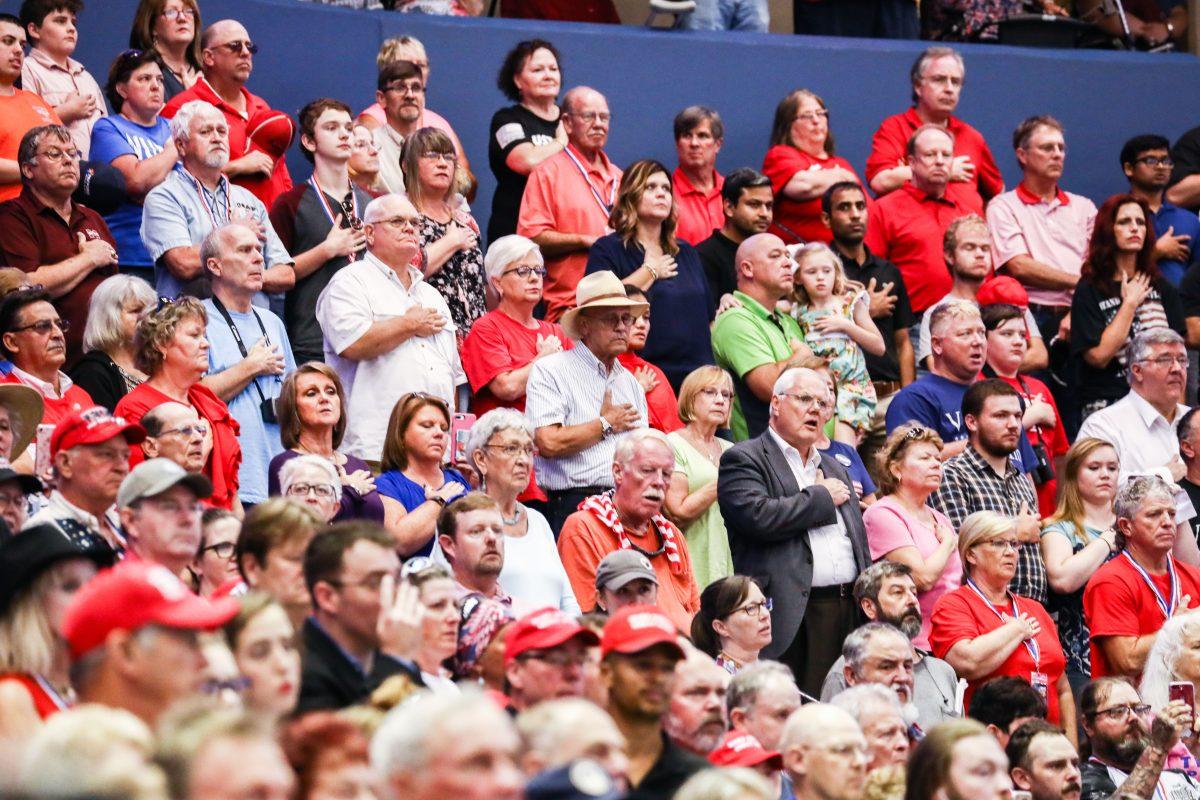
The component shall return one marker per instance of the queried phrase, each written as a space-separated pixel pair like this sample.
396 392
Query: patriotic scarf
602 508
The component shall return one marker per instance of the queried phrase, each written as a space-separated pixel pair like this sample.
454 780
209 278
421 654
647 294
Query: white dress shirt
832 552
357 297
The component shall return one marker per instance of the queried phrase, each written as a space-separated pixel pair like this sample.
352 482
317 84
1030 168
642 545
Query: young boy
51 72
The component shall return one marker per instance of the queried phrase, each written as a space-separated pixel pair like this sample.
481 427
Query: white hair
495 421
374 210
1160 671
630 443
506 250
858 700
727 783
789 378
181 123
104 328
545 727
1139 348
287 474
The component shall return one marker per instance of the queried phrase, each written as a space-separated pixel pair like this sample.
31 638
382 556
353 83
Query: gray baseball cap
155 476
622 566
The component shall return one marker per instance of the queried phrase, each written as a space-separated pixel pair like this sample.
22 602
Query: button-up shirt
55 84
82 527
568 389
358 296
832 552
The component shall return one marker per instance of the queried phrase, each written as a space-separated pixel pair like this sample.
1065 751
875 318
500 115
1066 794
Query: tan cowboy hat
25 409
599 290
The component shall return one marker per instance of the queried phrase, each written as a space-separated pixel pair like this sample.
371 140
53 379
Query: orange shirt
558 198
584 541
18 113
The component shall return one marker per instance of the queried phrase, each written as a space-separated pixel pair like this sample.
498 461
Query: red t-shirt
1117 602
801 217
45 704
962 614
889 148
661 402
1054 438
498 343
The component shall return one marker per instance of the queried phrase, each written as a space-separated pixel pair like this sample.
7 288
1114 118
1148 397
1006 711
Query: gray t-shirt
935 686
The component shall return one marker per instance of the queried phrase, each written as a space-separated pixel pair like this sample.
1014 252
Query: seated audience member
215 567
880 653
197 744
319 221
661 403
132 632
23 110
901 526
574 447
270 553
824 752
136 142
696 184
482 629
16 490
248 350
937 80
499 350
159 504
645 254
747 204
569 197
885 592
695 718
354 640
1077 539
625 578
794 525
1120 294
1004 704
431 749
258 135
414 484
176 432
313 481
959 759
1008 344
364 164
42 569
1130 744
437 591
705 403
544 654
759 700
328 753
908 226
986 477
984 630
1039 231
68 252
525 134
802 166
879 715
107 371
1149 25
387 332
171 350
470 537
33 338
500 449
311 408
556 732
629 517
169 29
1146 162
733 624
967 247
89 451
1127 600
1043 761
755 342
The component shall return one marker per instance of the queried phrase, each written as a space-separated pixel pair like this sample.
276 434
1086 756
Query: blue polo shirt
1185 223
113 137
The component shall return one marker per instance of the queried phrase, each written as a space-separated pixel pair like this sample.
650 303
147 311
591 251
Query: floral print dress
461 280
856 396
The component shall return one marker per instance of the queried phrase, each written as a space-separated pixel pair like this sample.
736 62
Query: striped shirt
568 389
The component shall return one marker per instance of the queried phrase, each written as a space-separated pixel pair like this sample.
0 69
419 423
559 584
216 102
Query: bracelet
652 271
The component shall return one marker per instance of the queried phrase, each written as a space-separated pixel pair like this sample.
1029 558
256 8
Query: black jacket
329 680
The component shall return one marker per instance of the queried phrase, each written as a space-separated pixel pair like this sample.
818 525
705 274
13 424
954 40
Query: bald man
754 341
824 753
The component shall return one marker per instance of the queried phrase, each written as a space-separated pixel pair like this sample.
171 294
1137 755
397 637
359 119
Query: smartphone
1021 794
460 429
1182 690
41 452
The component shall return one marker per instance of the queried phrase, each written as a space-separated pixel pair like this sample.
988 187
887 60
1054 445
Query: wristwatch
437 498
606 428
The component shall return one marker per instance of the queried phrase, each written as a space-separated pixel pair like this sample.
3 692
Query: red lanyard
612 193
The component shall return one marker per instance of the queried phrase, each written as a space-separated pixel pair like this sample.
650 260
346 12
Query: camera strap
237 337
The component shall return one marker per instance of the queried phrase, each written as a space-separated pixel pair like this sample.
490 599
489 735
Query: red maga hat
542 629
741 749
92 426
637 628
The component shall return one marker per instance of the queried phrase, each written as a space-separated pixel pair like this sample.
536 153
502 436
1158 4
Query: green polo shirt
746 338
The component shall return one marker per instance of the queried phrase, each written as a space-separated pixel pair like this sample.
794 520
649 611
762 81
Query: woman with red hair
330 757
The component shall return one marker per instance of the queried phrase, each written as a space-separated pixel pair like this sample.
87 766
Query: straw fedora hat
25 409
599 290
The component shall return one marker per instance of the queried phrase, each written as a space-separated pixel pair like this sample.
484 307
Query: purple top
353 505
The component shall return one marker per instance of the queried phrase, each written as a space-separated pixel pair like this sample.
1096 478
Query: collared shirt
358 296
46 389
699 212
55 84
907 229
558 198
887 366
19 112
832 553
79 525
390 143
1055 233
970 484
568 389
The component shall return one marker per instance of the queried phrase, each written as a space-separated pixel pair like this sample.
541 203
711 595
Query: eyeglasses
322 490
556 658
56 156
214 686
806 400
352 219
43 326
1155 161
419 566
712 393
172 14
524 272
222 549
236 48
591 116
1003 544
1167 361
412 87
449 158
1118 713
513 450
812 116
616 320
755 609
187 431
400 223
916 432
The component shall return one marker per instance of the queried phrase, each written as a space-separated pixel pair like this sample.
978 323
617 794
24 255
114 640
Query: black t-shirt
671 771
1091 312
1099 782
1189 291
510 127
887 366
717 254
1186 155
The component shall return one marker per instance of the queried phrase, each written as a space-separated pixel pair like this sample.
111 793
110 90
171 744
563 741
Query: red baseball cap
1002 289
133 594
542 629
637 628
92 426
741 749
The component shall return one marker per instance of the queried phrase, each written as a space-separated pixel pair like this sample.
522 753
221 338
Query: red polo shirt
907 229
34 235
800 218
241 127
889 147
699 213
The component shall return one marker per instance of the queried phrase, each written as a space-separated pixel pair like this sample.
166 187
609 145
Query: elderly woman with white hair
313 481
107 370
503 344
1174 658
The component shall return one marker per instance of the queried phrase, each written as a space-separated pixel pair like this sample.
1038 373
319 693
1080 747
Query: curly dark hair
514 62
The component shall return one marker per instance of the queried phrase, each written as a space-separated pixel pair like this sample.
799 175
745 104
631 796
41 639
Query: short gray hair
287 474
726 783
854 649
869 582
1135 491
743 690
104 329
858 700
33 138
181 123
506 250
1139 348
789 378
495 421
628 446
545 726
917 72
374 210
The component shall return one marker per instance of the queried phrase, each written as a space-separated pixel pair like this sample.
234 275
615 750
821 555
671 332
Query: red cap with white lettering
637 628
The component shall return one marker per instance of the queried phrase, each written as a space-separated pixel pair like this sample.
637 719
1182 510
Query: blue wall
309 51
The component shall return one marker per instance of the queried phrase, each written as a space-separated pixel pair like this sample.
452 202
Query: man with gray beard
695 718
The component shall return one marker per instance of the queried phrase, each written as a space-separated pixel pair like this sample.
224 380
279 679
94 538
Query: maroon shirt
33 235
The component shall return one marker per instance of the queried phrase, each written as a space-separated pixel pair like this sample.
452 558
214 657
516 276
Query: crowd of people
317 489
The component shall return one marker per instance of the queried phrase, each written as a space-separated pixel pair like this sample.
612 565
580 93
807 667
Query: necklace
710 451
516 517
